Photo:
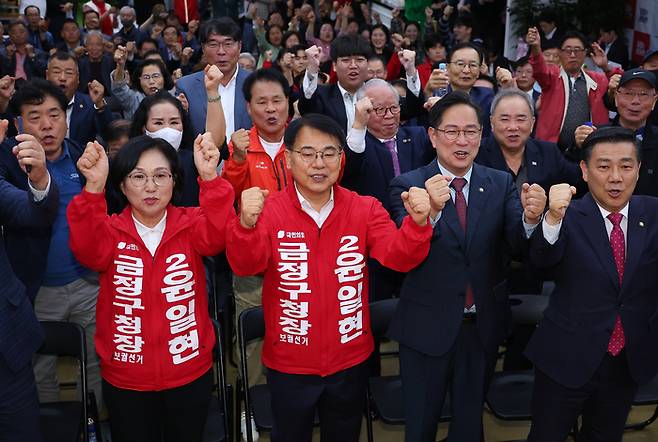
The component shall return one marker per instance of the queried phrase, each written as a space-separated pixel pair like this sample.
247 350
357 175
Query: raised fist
93 164
120 55
583 132
439 191
212 78
314 54
417 203
96 93
363 109
408 61
240 140
559 197
533 200
533 39
504 78
206 156
252 201
29 152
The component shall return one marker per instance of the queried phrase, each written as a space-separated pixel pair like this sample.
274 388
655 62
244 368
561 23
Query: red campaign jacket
315 292
153 331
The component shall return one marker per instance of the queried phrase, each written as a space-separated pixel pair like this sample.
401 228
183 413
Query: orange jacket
258 170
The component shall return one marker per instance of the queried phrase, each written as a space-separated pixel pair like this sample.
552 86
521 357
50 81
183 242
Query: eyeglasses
461 64
154 76
642 95
381 111
65 74
227 45
160 179
574 51
329 155
453 134
347 61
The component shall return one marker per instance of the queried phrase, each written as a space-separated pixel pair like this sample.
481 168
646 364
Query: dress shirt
552 233
321 216
356 140
151 235
413 83
310 85
69 111
39 195
227 94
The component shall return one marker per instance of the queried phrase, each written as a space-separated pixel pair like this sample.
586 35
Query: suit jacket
648 182
431 307
370 172
86 122
107 66
619 52
573 336
34 67
20 332
27 247
545 164
194 89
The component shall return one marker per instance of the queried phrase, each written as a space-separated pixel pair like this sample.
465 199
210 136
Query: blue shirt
62 268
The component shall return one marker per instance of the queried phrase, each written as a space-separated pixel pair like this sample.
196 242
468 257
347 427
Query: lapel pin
481 189
406 140
534 163
641 224
80 106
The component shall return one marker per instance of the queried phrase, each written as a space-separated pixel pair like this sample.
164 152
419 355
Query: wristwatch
214 99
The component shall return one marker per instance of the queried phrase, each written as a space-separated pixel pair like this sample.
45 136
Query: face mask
169 134
126 23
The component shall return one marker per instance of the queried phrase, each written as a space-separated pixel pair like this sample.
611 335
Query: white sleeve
39 195
413 83
309 85
551 233
356 140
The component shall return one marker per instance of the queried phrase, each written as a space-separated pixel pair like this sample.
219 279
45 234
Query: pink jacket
554 90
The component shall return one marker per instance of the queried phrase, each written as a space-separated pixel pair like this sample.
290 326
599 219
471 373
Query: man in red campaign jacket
312 242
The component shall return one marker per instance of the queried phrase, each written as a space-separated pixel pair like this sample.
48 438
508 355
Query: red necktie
460 204
390 145
617 339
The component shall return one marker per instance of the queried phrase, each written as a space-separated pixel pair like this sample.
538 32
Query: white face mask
169 134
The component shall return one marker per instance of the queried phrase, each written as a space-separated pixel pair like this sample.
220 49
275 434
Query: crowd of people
325 160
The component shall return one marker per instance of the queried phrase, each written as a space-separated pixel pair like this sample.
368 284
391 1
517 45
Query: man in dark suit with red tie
453 311
599 337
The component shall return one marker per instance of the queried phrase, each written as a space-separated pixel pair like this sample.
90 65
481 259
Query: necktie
460 204
617 339
390 145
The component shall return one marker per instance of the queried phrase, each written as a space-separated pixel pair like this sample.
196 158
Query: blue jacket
572 338
431 307
194 89
20 333
86 122
27 246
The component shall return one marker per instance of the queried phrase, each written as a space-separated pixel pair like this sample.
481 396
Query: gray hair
128 9
513 92
373 83
248 56
95 32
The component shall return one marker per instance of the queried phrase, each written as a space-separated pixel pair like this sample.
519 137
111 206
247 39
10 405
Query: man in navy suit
20 333
86 115
511 148
453 311
221 43
598 339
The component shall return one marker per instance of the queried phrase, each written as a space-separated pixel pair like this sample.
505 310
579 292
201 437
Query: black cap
649 54
638 74
608 133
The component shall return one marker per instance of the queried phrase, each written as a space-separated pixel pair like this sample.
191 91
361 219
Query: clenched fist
93 164
504 78
417 203
439 191
408 61
252 201
533 39
206 156
583 132
30 155
559 197
240 140
314 54
212 78
533 200
363 109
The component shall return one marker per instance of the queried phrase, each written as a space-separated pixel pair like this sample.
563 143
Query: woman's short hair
127 158
137 85
141 116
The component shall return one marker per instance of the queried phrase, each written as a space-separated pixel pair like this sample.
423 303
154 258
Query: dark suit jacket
619 52
20 333
572 339
34 67
545 164
194 89
370 172
86 121
107 66
431 307
27 247
648 182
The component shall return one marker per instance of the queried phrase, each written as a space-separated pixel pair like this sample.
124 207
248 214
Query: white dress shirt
310 85
39 195
151 235
321 216
552 233
227 94
69 111
356 140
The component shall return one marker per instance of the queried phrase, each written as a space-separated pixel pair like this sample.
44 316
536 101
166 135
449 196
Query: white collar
446 172
158 228
235 75
344 91
71 102
605 213
306 204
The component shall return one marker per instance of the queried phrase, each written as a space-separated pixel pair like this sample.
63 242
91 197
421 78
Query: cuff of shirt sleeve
39 195
356 140
551 233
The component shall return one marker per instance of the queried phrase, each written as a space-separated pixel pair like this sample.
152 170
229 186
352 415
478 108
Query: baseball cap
649 54
638 74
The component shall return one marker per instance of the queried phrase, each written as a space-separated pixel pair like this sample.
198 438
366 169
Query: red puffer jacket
315 292
153 331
